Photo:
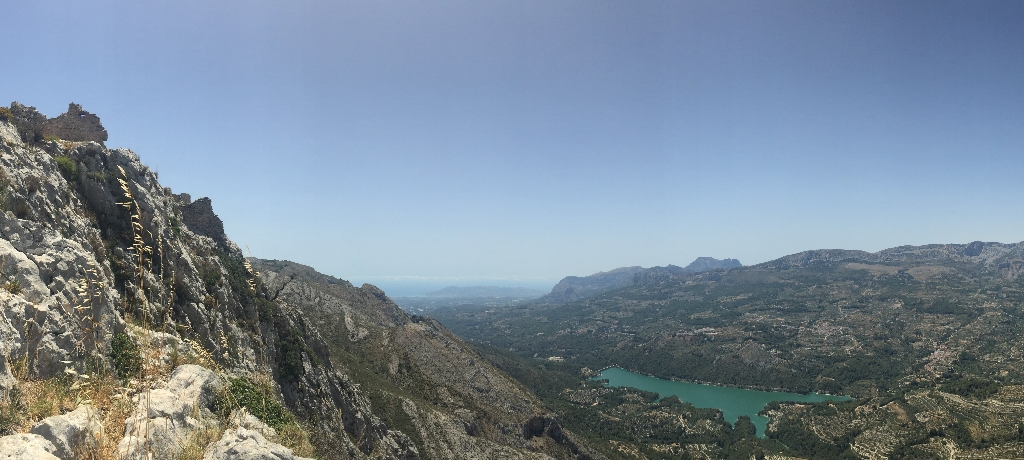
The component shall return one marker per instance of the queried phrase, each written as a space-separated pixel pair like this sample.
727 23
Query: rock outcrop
71 433
199 217
26 447
245 444
164 418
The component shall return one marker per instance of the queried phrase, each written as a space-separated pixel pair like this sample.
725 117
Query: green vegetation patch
796 436
67 166
258 399
971 387
126 356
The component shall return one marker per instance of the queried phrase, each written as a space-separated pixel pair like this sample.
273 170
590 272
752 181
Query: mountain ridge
573 288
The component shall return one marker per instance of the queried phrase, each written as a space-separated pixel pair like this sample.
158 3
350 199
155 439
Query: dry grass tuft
295 437
197 442
45 398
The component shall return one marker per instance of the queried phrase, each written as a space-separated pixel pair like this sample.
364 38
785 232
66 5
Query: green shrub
126 355
175 224
5 114
68 168
21 209
258 399
291 347
211 276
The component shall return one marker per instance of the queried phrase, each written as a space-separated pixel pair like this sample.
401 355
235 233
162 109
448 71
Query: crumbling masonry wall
75 125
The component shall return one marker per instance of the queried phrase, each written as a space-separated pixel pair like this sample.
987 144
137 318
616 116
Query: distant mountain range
573 288
466 292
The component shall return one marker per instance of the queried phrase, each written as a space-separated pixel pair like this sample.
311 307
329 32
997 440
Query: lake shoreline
727 385
732 402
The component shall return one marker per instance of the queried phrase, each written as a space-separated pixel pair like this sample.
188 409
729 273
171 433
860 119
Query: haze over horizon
532 141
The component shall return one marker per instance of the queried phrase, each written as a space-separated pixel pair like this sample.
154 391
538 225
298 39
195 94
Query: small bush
33 184
45 398
211 276
21 208
258 399
5 114
5 189
68 168
175 224
126 355
13 286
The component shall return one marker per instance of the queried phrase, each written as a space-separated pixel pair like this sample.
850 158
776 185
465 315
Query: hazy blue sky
539 139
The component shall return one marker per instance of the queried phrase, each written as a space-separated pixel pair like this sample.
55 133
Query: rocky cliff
112 286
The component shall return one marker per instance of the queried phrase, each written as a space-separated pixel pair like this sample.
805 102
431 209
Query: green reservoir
733 402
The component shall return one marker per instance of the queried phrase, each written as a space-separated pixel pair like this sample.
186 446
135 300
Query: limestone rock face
29 122
26 447
169 415
199 217
195 386
47 246
160 426
9 134
70 432
245 444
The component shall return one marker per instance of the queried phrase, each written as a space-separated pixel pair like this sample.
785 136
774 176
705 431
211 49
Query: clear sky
478 141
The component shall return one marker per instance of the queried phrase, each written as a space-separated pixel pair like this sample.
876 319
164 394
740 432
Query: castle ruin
75 125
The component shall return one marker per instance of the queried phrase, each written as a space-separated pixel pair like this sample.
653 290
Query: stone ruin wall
75 125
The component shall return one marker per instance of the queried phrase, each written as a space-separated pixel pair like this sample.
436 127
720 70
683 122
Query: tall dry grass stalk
140 250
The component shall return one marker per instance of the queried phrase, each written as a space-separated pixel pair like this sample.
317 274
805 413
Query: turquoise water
733 402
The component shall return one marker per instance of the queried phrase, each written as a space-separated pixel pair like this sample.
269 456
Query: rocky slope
425 379
110 281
